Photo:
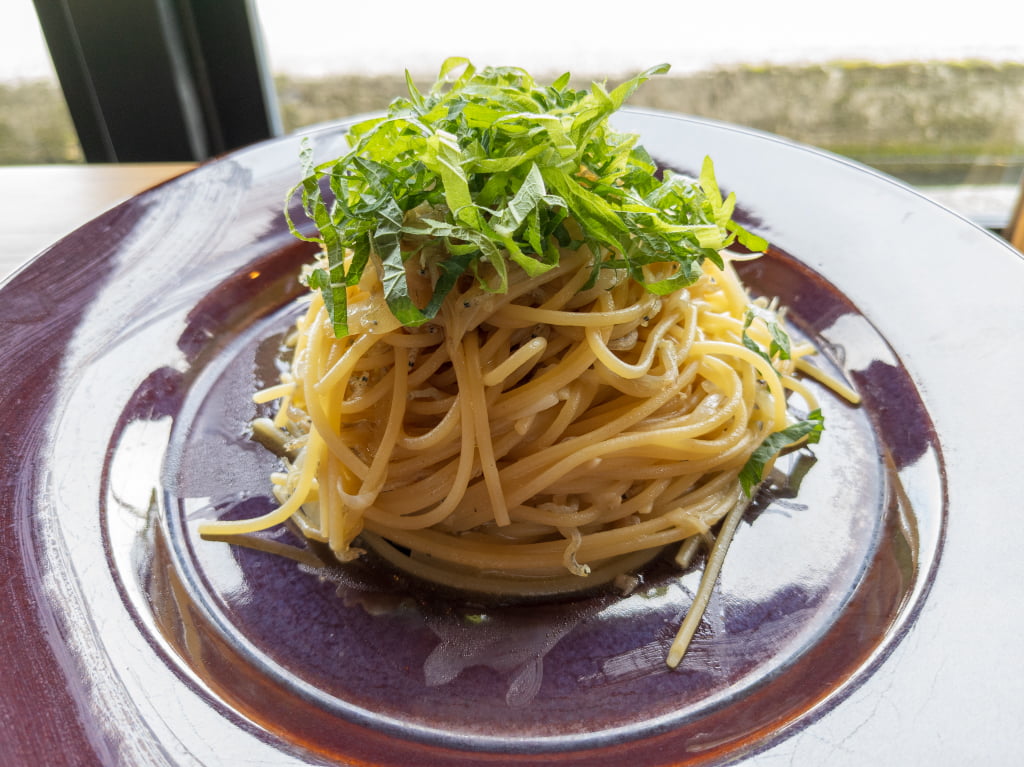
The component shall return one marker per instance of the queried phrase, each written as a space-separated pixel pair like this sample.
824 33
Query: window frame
197 84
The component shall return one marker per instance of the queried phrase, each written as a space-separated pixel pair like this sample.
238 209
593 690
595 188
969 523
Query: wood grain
43 203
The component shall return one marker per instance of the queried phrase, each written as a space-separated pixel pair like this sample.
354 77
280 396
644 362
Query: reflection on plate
150 646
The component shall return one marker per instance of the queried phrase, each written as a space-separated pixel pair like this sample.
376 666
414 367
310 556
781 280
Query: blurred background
932 96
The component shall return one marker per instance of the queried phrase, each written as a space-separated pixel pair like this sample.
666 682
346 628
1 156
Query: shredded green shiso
496 169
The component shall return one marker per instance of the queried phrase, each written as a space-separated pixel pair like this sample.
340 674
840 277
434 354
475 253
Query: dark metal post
160 80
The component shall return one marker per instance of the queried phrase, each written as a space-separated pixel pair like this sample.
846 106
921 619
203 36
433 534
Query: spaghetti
542 429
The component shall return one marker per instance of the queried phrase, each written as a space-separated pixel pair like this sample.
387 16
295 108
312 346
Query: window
35 126
935 99
160 79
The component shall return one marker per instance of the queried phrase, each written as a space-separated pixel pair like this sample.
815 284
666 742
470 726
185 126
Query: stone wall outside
929 122
938 122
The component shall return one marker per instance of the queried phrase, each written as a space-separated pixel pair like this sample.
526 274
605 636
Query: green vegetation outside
35 126
938 122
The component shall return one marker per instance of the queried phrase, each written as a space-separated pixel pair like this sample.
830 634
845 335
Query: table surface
42 203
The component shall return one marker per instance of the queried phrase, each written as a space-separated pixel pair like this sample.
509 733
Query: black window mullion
235 77
70 63
160 80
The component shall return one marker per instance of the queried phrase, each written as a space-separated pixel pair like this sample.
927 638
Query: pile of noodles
523 440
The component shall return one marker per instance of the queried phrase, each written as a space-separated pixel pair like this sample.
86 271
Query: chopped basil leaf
809 430
778 348
490 168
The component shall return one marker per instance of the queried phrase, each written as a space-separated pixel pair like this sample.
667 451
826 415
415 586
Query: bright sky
328 35
320 36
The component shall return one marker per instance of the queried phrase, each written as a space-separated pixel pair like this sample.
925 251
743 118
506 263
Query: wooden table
39 204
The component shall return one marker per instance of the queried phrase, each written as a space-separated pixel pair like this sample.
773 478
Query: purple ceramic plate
867 609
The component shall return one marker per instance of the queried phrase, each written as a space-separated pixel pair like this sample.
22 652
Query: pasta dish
527 364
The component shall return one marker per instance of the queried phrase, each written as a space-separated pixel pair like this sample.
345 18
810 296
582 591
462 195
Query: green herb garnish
779 346
808 430
492 168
